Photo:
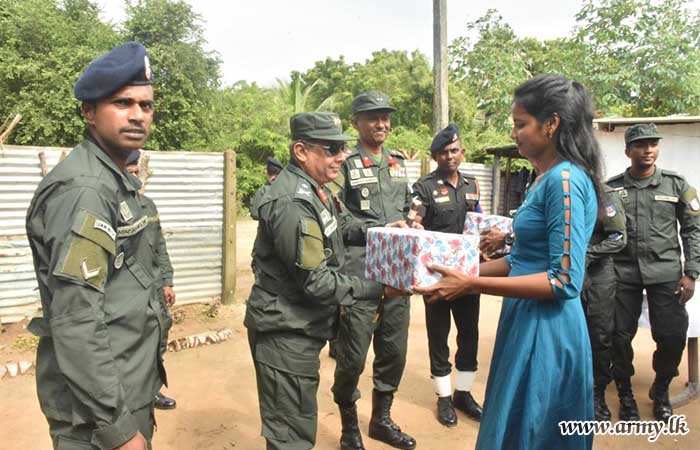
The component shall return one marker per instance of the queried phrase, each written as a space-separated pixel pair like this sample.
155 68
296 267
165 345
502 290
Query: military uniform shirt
297 257
375 193
609 234
445 207
102 321
654 207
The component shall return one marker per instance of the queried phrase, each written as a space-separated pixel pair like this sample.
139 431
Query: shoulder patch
690 197
310 252
89 226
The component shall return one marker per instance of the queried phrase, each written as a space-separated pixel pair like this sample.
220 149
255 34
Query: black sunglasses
331 150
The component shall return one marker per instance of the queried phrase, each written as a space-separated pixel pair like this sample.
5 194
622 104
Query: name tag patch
366 180
107 228
445 199
325 216
666 198
134 228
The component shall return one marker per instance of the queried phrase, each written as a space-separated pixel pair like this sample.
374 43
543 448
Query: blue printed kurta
541 371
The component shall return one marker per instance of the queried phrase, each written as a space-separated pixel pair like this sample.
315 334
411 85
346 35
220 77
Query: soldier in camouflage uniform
374 187
598 296
98 362
297 257
656 202
164 273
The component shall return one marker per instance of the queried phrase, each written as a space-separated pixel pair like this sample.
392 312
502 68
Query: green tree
186 76
43 49
643 56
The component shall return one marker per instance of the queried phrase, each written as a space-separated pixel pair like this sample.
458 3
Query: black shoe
382 428
628 406
658 392
163 402
602 412
464 402
446 414
350 438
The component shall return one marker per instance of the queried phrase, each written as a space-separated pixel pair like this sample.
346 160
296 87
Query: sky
261 40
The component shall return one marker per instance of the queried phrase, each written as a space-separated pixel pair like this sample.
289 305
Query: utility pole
440 101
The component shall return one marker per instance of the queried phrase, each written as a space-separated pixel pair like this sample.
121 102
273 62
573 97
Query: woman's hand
454 284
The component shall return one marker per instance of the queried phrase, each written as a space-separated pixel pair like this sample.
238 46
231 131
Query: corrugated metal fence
187 187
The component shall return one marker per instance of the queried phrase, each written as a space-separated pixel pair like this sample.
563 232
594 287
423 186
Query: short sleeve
565 218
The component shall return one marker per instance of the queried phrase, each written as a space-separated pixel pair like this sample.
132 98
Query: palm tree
298 98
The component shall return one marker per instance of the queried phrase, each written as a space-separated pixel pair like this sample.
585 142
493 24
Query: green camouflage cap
322 126
641 131
371 101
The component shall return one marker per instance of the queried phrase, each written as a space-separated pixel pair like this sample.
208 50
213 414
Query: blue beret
444 137
124 65
133 157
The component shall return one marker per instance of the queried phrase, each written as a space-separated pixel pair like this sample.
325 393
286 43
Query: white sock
465 380
442 386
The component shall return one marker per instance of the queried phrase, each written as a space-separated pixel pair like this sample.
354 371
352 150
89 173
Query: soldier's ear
88 112
299 151
627 151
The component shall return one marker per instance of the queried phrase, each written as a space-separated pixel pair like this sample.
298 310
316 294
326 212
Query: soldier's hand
492 240
169 295
393 292
397 224
137 442
685 289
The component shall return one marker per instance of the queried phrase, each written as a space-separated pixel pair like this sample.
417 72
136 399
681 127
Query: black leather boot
350 438
602 412
658 392
382 428
446 414
464 402
163 402
628 406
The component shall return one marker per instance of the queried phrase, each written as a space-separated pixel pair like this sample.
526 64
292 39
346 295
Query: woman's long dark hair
545 95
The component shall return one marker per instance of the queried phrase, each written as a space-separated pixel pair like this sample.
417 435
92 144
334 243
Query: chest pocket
663 210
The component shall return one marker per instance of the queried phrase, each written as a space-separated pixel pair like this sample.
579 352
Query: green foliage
186 76
43 49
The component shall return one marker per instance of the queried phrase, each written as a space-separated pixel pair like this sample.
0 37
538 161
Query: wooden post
425 166
228 295
440 103
496 191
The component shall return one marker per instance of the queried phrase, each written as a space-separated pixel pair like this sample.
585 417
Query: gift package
399 257
475 223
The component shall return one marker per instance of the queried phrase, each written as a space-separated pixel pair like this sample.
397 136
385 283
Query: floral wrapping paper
475 223
399 257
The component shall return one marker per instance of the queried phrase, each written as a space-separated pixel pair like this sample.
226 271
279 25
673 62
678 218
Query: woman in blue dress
541 371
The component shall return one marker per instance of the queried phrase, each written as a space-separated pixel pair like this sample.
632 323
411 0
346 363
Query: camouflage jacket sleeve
688 212
80 233
614 229
299 243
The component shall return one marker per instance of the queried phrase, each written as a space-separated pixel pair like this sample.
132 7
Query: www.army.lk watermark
676 426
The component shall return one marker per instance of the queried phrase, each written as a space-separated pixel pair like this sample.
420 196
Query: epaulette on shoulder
609 189
617 177
466 175
398 153
671 173
303 191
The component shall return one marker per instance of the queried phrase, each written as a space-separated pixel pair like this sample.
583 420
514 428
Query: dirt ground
217 403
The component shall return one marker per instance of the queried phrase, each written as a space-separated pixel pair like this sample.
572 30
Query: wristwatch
510 238
692 274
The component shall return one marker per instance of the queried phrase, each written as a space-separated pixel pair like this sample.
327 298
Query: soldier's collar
653 180
300 172
368 159
107 161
